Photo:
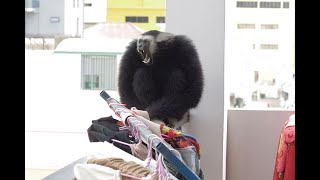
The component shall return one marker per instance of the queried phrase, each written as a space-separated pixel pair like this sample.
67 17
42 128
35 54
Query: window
268 46
142 19
269 26
137 19
75 4
246 26
285 5
160 20
35 3
247 4
88 4
91 81
266 4
54 19
98 72
256 76
77 25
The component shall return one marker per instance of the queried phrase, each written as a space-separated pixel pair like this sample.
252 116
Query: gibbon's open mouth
145 56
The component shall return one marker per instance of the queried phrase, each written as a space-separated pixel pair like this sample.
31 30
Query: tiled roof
101 38
93 45
113 30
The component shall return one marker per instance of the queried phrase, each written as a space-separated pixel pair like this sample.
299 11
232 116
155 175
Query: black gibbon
161 73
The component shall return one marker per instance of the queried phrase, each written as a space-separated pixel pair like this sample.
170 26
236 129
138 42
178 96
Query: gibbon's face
146 47
147 44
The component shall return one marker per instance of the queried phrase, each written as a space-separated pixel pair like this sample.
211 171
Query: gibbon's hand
145 115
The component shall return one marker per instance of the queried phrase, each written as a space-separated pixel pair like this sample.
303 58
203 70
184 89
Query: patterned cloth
285 159
177 139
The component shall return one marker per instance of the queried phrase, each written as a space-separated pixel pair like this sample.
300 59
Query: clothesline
131 121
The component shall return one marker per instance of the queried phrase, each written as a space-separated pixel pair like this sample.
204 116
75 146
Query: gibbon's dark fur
169 84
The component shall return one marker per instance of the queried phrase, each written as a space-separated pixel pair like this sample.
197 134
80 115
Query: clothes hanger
291 121
130 120
130 176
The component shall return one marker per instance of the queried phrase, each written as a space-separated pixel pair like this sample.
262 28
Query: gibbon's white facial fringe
164 36
147 54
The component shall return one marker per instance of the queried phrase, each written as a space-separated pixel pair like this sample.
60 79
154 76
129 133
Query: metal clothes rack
124 114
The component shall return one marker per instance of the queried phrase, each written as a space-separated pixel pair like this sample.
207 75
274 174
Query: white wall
58 112
56 101
253 137
203 21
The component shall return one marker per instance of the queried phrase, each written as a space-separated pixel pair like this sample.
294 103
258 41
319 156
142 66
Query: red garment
285 159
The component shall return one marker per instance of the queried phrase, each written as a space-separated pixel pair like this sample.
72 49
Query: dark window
285 5
256 76
130 19
246 26
266 4
87 4
269 26
35 3
99 72
161 20
142 19
247 4
137 19
268 46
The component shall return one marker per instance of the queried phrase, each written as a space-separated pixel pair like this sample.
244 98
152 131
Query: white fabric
98 172
95 172
100 150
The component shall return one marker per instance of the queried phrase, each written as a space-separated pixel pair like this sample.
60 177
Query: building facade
95 11
46 18
146 14
260 48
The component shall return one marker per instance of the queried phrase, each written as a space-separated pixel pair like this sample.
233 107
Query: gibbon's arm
183 92
128 66
170 104
184 88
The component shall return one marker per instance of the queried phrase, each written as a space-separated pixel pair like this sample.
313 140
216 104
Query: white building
95 11
46 18
259 45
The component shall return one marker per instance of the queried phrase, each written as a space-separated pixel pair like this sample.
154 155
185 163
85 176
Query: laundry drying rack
160 146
